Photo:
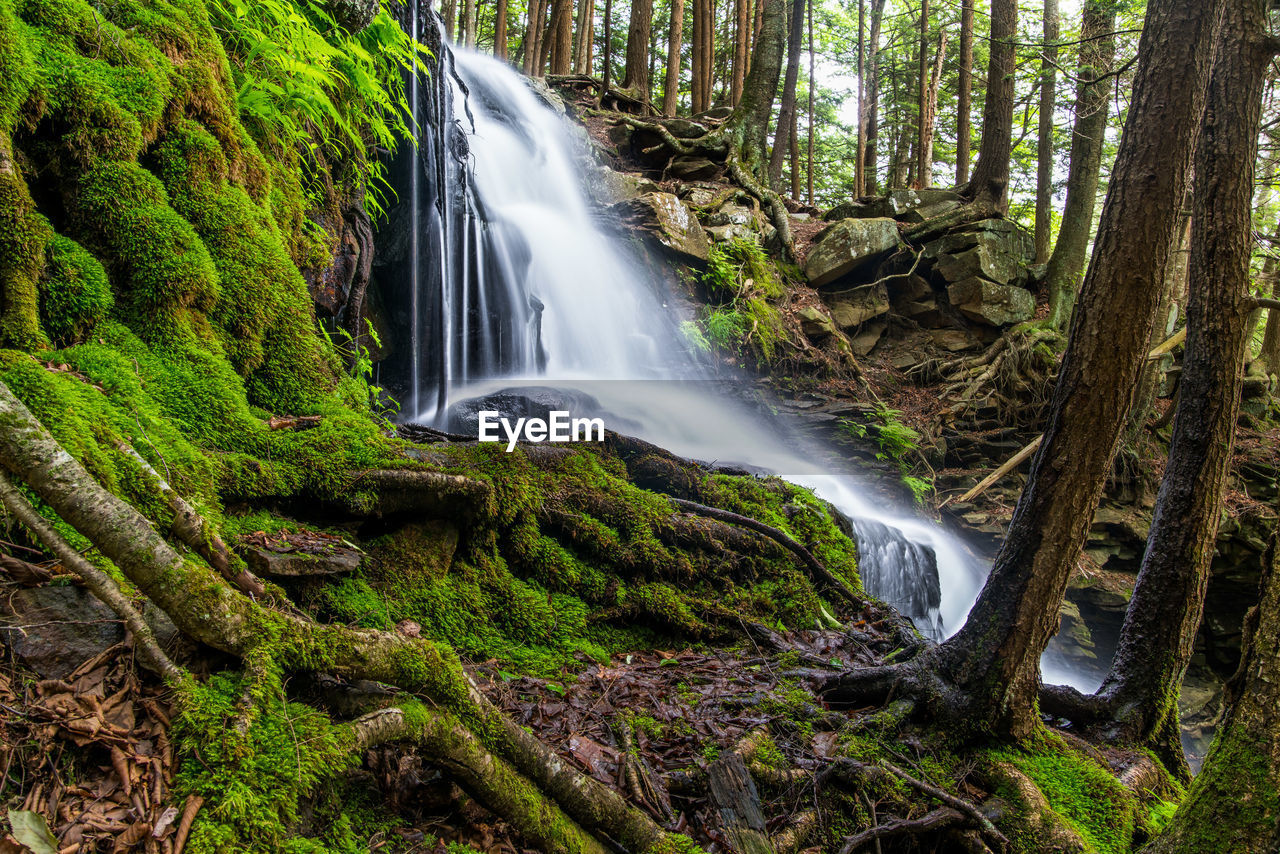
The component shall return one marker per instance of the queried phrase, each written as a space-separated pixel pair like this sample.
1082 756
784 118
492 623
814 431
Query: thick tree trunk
675 42
964 95
990 181
782 135
586 36
1066 264
449 11
1234 802
746 131
1044 150
500 30
870 158
636 74
1164 613
989 671
561 36
533 37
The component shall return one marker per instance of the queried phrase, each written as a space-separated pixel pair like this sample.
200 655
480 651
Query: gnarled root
207 609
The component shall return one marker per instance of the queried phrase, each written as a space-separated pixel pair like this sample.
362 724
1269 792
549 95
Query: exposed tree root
98 582
939 819
205 608
815 567
715 144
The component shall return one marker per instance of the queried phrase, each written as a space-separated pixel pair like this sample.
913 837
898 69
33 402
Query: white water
601 321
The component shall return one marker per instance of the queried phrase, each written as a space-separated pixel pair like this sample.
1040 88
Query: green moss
23 236
74 292
1080 791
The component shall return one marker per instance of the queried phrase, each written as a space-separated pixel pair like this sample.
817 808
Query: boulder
992 303
847 245
986 259
730 231
668 221
953 340
850 309
868 337
63 627
904 289
693 169
683 128
815 323
732 213
907 205
274 563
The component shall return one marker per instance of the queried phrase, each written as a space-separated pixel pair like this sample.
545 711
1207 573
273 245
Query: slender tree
500 48
671 85
990 181
928 114
741 48
700 82
1164 614
1044 148
986 676
585 38
449 12
870 156
635 75
1088 138
606 58
860 165
561 38
964 93
787 112
809 88
924 147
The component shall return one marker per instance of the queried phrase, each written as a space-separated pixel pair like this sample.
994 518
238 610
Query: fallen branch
1006 467
190 527
98 582
781 537
293 422
952 801
1168 344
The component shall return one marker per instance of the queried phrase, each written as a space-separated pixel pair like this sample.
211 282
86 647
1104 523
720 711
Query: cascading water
516 282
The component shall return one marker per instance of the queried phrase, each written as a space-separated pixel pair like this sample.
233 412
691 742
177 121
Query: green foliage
742 278
304 83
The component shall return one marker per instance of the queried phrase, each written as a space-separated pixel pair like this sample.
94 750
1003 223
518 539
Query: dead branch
939 819
952 801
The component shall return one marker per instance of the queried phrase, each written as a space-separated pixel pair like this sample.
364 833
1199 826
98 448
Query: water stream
518 285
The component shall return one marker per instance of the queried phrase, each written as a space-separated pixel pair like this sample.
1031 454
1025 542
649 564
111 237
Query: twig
950 800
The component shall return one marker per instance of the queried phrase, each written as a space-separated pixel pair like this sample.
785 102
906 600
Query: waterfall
517 286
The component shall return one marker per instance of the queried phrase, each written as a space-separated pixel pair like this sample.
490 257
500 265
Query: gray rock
816 323
731 213
692 169
62 628
903 289
847 245
683 128
953 340
987 259
275 564
915 216
868 337
992 303
731 231
668 221
853 308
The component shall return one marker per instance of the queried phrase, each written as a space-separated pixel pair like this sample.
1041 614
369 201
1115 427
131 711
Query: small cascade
515 284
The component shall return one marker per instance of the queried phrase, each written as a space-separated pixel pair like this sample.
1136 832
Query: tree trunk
870 166
1164 613
561 36
534 37
994 658
586 36
747 129
1234 802
1066 264
700 78
964 134
1269 354
859 166
794 137
924 148
606 71
450 15
636 74
741 48
990 182
671 86
809 168
786 114
1044 150
500 30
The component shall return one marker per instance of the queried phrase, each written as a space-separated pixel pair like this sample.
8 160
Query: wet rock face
343 279
667 220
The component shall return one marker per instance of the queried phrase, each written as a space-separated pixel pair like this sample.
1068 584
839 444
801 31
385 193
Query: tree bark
990 181
533 37
606 71
964 94
741 48
1163 615
1234 802
675 39
500 30
450 15
636 74
870 157
794 137
1044 150
989 670
809 168
924 145
586 36
746 131
1269 354
561 36
700 83
1088 138
786 114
